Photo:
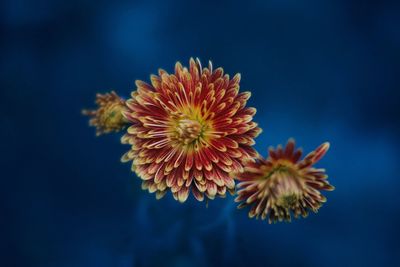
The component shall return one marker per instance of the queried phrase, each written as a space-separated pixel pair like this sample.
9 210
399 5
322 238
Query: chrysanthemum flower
189 131
283 184
108 116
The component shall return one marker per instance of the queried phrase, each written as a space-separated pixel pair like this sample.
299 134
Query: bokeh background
318 71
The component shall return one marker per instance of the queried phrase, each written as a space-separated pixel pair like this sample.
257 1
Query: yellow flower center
287 189
188 130
112 116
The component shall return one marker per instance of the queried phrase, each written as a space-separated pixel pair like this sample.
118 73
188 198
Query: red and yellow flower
283 184
107 117
189 130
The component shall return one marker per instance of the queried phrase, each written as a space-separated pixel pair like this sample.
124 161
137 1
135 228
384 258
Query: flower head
108 116
283 184
189 130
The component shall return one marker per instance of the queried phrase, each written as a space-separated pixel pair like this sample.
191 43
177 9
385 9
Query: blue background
318 71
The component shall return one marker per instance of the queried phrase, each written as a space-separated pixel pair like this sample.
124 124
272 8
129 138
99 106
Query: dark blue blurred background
318 71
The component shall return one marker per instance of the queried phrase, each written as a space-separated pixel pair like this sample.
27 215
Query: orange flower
282 184
189 131
108 116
